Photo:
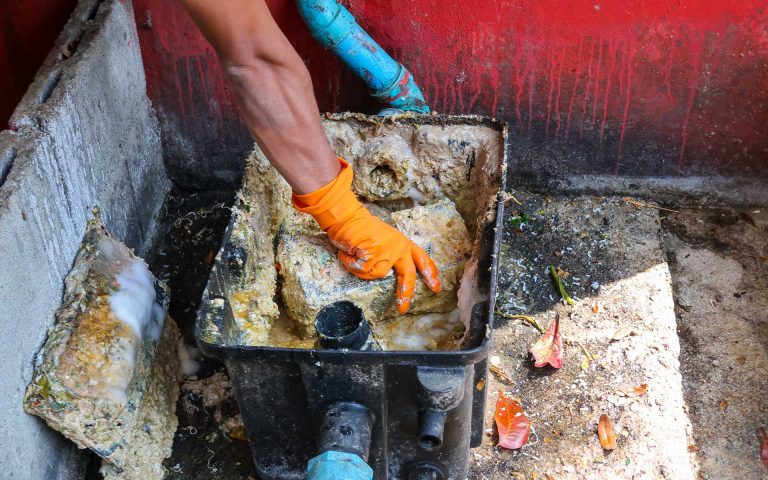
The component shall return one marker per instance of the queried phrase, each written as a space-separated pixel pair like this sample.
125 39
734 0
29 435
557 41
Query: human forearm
274 92
272 87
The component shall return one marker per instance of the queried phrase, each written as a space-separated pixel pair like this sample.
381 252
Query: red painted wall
28 29
628 87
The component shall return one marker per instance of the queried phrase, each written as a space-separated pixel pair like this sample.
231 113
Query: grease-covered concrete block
85 136
313 277
108 375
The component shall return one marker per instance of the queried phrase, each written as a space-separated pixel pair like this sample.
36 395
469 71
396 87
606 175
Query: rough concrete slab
671 190
718 260
613 254
85 136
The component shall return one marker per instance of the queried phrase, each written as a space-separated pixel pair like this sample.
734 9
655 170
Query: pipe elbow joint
332 25
403 93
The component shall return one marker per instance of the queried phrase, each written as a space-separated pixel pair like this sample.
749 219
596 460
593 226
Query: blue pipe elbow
332 465
332 25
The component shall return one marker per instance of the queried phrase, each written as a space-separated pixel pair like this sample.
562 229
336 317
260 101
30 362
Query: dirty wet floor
672 300
667 338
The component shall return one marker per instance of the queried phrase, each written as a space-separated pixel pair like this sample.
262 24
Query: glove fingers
351 263
426 268
406 283
362 268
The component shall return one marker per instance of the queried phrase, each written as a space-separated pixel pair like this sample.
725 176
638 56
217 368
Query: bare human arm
274 94
272 86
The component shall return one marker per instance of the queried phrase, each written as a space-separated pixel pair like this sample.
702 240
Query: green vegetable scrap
560 286
518 220
530 320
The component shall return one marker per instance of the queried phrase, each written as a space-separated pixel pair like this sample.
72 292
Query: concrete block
85 136
108 375
313 277
620 334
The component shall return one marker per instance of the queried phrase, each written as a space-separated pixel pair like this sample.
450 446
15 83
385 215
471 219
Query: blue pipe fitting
332 465
332 25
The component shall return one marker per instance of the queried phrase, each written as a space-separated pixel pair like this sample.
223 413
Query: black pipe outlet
343 325
426 471
440 389
346 427
431 426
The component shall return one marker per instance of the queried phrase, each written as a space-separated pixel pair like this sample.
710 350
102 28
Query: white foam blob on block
134 302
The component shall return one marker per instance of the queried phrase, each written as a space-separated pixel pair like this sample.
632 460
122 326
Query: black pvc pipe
431 426
343 325
346 427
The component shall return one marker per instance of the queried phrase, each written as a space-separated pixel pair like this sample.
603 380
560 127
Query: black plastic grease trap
427 407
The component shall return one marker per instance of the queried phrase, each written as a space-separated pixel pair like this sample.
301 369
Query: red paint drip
627 98
597 84
612 52
179 95
519 84
573 91
551 90
495 83
559 81
665 84
531 92
586 90
693 81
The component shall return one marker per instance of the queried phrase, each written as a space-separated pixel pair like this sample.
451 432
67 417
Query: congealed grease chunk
107 377
312 276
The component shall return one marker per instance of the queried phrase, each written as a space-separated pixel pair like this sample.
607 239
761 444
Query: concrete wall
660 88
84 135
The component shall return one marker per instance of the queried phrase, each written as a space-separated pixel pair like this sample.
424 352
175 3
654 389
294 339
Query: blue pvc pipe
333 465
332 25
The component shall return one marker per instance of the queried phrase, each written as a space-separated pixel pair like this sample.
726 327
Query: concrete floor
686 293
616 268
698 340
719 260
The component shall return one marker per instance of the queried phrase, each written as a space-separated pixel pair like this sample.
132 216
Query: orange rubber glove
368 247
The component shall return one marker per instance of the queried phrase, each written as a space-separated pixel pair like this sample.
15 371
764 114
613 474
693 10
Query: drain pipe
344 433
344 441
342 325
332 25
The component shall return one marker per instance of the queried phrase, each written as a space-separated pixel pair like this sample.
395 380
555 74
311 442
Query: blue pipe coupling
333 465
332 25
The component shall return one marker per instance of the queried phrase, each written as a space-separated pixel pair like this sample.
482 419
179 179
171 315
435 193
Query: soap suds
187 359
107 377
134 302
430 331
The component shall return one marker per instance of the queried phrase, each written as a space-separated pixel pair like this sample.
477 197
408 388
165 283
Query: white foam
187 356
415 195
423 333
134 302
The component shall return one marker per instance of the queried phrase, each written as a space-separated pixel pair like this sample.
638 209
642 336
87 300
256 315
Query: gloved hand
368 247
